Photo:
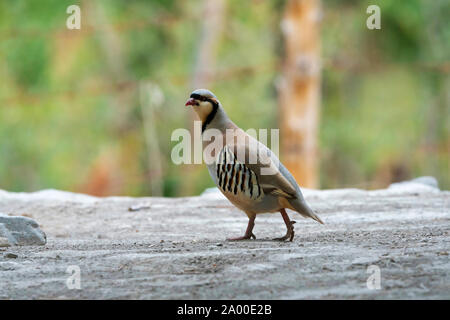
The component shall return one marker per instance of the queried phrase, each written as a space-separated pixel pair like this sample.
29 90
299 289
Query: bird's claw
289 234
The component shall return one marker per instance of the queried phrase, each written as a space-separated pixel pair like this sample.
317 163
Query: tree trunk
299 90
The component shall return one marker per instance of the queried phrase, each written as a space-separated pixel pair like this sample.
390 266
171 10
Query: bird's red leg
289 225
248 233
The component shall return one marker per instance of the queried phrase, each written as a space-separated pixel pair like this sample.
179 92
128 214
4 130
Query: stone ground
176 249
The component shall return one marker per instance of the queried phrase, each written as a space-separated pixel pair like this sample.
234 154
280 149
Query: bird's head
203 102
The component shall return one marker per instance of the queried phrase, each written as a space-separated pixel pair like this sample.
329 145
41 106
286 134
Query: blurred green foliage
70 113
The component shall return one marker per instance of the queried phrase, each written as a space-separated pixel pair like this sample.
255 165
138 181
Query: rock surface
20 231
176 249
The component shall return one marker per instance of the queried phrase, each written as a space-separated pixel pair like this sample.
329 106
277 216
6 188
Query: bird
248 173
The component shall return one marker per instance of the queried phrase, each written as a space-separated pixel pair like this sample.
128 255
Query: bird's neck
216 119
208 118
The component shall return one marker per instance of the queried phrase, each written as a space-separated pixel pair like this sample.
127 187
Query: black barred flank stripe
224 176
220 177
232 176
259 187
220 168
237 178
218 172
257 183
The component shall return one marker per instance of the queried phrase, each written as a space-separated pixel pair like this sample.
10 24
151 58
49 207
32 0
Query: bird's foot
289 234
245 237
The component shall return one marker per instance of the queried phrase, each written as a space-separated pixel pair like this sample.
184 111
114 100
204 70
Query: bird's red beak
190 102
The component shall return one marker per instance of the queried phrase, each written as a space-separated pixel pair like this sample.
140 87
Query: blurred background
93 110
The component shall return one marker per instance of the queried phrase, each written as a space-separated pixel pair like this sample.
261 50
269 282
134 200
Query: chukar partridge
245 170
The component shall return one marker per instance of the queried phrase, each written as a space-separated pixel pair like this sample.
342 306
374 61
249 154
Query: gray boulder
417 185
20 231
428 181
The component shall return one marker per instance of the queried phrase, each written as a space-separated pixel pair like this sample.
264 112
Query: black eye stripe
202 98
198 97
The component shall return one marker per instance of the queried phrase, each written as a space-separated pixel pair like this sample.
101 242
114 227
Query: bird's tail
303 208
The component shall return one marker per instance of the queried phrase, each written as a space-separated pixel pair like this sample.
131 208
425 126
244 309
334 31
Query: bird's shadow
258 240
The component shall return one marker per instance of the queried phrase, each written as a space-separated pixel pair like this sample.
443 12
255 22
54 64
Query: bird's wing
258 158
